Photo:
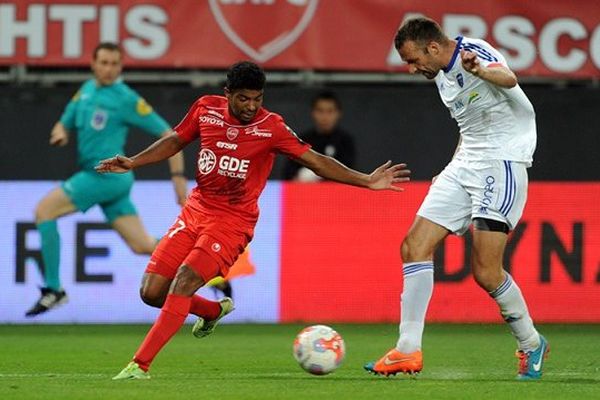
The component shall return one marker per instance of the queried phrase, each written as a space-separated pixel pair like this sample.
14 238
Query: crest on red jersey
263 28
232 133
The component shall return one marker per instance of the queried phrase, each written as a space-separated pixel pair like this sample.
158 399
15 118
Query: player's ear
433 48
227 92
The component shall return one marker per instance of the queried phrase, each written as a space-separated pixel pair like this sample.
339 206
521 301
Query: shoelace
523 367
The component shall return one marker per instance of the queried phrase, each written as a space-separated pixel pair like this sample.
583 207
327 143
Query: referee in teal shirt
100 113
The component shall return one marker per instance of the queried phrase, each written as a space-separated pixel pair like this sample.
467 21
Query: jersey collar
454 55
115 82
232 120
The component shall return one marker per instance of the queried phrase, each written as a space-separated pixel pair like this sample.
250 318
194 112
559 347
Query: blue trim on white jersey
480 51
454 55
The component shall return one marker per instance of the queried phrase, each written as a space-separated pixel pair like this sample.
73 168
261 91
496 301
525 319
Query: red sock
172 316
205 308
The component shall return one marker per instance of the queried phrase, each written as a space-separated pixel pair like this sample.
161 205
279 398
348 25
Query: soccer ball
319 349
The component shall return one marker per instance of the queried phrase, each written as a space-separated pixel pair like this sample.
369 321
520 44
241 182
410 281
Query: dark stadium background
403 122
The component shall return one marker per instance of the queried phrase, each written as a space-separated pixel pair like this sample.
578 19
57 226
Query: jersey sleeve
287 142
188 128
488 56
68 116
137 112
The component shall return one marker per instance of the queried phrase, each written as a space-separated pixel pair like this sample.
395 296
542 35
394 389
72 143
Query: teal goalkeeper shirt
102 116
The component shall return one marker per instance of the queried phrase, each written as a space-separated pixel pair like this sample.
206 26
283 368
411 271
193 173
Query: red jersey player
238 142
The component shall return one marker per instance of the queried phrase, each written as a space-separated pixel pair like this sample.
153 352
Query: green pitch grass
255 362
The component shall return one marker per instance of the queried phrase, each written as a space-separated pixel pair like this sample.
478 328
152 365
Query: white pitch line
53 375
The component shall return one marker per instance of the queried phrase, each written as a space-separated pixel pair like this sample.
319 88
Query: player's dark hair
245 75
420 30
328 96
106 46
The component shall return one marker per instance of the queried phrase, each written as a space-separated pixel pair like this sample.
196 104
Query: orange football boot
394 362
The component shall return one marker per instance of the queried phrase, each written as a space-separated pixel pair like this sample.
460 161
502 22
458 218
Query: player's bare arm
59 135
162 149
177 168
498 74
385 177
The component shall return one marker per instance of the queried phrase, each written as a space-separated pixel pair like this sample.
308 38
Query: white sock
418 286
514 311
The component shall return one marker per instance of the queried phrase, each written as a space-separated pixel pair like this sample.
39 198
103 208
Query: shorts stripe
514 189
505 187
510 187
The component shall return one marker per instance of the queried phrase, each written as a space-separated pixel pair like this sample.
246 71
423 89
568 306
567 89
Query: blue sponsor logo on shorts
488 193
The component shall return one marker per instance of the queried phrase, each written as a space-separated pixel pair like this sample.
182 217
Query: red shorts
208 244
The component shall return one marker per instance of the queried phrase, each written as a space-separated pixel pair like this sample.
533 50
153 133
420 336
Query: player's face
107 66
423 60
244 103
326 115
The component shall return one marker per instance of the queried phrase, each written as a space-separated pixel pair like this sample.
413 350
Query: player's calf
152 298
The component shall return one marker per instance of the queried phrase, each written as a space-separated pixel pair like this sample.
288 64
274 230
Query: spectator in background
326 137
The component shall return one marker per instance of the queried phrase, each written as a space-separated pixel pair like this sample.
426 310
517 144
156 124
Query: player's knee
152 297
41 214
139 250
142 248
414 250
488 279
187 281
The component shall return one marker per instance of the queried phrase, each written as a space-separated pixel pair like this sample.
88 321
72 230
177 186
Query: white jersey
495 123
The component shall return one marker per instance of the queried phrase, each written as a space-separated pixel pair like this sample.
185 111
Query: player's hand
118 164
470 62
180 184
388 176
59 135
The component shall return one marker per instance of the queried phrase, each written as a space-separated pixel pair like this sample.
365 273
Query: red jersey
234 160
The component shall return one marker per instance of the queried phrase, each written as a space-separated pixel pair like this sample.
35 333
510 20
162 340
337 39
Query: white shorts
465 190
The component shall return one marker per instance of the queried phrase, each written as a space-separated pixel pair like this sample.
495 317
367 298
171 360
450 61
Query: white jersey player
485 185
497 140
496 123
